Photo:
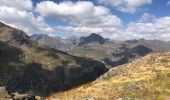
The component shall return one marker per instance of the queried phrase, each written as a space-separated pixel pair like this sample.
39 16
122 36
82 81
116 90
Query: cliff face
27 67
145 78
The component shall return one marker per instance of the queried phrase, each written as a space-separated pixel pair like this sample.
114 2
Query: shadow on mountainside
127 54
37 79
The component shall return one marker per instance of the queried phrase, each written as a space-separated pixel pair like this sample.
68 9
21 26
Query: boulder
4 95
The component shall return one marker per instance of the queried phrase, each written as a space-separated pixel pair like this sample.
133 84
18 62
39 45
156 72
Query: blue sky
114 19
159 8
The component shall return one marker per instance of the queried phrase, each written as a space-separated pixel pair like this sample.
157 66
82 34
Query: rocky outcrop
6 95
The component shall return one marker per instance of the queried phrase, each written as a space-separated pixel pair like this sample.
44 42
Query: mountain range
85 68
53 42
111 52
29 67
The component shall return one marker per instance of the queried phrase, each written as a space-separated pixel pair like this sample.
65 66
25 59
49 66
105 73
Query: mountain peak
13 35
97 36
94 34
92 38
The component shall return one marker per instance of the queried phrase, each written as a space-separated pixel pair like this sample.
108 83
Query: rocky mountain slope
28 67
147 78
116 53
155 45
13 36
53 42
112 53
94 46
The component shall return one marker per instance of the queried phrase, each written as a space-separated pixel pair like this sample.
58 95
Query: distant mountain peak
97 36
36 36
94 34
52 42
92 38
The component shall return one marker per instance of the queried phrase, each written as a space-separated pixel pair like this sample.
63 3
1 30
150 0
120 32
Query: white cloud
83 17
128 6
159 29
168 3
148 27
81 13
22 18
146 17
79 31
18 4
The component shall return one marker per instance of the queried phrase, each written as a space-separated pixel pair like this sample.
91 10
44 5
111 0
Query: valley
30 67
84 50
33 68
111 52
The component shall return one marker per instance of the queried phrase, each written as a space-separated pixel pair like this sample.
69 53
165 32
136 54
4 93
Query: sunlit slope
147 78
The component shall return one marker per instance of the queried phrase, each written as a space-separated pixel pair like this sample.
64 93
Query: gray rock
88 98
4 94
3 90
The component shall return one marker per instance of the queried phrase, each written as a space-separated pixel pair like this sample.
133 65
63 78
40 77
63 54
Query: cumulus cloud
146 17
80 13
168 3
148 27
128 6
159 29
18 4
83 17
79 31
19 17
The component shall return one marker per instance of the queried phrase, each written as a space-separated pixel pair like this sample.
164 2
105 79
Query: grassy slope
147 78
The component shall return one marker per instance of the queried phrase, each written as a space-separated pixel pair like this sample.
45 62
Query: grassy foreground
147 78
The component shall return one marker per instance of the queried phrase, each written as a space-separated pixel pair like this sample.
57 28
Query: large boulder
4 95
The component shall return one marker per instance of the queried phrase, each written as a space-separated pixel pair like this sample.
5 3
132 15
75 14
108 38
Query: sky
113 19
